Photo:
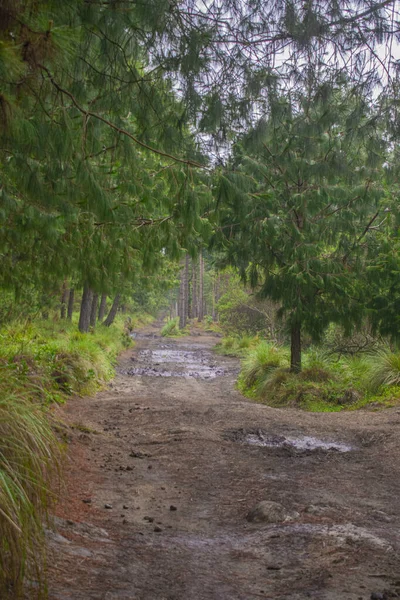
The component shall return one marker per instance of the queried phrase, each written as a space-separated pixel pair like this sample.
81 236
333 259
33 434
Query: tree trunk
64 299
195 311
113 311
93 312
295 348
70 304
183 289
102 309
86 307
186 306
216 297
201 288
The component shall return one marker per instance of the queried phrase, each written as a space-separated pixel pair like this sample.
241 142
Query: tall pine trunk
71 299
113 311
195 308
86 307
186 307
201 288
64 300
215 297
184 294
102 309
295 348
93 312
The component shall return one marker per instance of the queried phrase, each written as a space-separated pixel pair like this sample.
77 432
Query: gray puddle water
167 361
300 443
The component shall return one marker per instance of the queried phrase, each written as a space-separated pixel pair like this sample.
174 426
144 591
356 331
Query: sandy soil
160 480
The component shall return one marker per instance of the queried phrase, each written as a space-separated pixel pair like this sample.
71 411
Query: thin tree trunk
93 312
181 301
217 282
201 288
102 309
86 307
64 299
71 298
295 348
113 311
195 311
186 305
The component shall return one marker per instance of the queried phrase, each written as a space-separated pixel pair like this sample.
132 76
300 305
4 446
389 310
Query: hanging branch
121 131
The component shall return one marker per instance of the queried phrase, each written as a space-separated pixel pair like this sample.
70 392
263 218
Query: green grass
236 345
29 455
41 362
326 383
171 328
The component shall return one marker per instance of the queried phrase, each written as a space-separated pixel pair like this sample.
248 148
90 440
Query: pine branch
124 132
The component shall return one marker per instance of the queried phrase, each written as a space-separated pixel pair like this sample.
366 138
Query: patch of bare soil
165 466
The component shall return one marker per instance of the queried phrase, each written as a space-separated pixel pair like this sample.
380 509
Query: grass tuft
171 327
384 369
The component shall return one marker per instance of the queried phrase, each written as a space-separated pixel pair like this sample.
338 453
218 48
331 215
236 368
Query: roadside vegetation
327 382
42 362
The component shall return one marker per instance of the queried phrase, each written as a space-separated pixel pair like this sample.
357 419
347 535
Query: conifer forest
199 299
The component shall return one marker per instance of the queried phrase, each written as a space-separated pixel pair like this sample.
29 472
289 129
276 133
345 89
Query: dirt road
165 465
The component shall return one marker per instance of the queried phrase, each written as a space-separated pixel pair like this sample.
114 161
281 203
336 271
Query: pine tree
300 206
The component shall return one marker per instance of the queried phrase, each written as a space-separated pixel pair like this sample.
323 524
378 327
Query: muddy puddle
168 361
301 443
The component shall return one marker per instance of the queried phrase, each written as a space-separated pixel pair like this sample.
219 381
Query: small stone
129 468
150 467
149 519
87 501
108 506
173 508
157 529
377 596
267 512
125 507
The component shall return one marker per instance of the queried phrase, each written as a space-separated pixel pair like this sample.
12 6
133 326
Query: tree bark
180 300
86 307
195 312
113 311
71 298
183 294
64 299
186 306
201 288
93 312
295 348
102 309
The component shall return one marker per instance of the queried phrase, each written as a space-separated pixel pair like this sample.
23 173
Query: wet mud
192 361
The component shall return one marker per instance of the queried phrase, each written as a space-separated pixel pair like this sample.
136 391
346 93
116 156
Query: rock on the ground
268 512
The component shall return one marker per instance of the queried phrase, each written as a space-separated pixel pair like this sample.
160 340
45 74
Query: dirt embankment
166 464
